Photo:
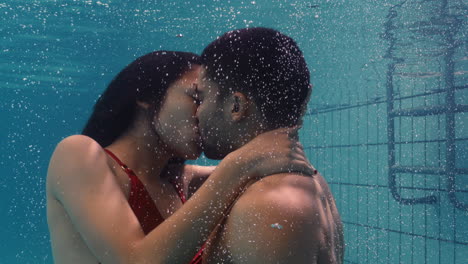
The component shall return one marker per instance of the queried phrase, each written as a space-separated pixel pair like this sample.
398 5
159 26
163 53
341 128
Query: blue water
386 123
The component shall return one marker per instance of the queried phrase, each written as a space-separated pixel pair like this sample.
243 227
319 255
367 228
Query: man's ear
304 107
306 101
239 106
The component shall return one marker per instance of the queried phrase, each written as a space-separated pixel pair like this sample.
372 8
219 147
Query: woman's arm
80 179
194 176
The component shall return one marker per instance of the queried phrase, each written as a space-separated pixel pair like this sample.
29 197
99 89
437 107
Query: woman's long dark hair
146 80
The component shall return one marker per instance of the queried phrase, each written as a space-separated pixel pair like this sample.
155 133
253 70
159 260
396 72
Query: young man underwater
253 81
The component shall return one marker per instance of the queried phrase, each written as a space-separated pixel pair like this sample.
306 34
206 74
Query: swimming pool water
386 124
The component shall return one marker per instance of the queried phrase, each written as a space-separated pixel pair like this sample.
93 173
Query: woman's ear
239 105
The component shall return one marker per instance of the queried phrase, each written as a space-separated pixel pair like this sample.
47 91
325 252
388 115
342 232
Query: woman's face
176 123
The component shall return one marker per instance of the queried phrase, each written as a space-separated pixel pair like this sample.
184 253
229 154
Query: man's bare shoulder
293 197
299 197
275 220
286 213
284 189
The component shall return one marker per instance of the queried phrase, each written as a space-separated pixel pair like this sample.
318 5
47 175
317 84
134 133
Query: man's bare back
284 218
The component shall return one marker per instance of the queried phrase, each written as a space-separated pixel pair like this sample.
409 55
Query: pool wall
386 124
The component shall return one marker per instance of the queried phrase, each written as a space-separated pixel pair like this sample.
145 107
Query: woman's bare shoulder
76 156
76 141
79 148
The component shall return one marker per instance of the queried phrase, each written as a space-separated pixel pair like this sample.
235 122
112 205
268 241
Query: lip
197 137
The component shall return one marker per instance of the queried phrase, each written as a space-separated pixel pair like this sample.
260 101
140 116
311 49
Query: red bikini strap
122 165
179 190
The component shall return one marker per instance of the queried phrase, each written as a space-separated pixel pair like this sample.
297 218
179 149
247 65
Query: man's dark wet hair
264 64
146 80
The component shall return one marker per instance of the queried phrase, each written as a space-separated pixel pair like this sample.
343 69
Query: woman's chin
192 156
192 152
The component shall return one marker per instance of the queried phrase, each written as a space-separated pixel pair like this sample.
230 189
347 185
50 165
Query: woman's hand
272 152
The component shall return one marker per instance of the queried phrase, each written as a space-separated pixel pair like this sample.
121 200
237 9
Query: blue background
370 62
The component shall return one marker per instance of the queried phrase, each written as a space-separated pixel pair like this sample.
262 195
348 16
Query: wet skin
176 124
282 218
88 213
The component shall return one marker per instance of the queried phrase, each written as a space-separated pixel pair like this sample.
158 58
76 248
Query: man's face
213 116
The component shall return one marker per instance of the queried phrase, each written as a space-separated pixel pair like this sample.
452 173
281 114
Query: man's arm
277 226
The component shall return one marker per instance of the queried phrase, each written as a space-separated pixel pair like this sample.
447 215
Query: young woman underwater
117 193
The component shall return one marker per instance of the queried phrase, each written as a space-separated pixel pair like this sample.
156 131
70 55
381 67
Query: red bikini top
143 206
